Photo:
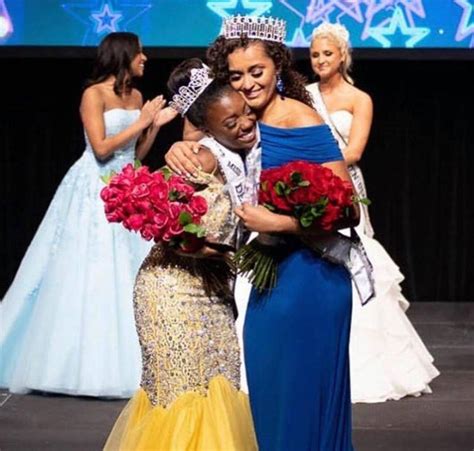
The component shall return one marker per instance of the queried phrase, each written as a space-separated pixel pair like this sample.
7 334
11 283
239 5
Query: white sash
354 170
338 248
242 177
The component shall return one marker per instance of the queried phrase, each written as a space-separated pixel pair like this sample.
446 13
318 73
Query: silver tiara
254 27
187 95
333 29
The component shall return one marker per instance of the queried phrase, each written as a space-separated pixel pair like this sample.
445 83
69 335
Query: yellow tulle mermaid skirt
219 421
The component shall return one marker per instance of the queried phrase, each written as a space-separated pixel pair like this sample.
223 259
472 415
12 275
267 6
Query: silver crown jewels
187 95
254 27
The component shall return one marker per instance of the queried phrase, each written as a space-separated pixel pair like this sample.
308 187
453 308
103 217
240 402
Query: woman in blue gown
66 322
296 336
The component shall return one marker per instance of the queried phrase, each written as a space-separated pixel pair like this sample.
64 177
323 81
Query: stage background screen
373 24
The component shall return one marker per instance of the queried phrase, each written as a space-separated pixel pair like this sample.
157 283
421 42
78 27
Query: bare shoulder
299 114
137 97
92 97
93 92
361 98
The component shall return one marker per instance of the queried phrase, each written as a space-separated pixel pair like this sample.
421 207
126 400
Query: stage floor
442 421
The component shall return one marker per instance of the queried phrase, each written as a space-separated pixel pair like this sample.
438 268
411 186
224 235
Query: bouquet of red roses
159 205
307 191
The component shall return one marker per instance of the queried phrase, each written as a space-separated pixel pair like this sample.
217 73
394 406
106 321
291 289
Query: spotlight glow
4 26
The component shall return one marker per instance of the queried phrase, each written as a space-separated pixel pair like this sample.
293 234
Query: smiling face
137 66
253 74
326 57
231 122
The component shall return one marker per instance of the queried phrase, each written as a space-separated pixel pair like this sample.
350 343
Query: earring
280 86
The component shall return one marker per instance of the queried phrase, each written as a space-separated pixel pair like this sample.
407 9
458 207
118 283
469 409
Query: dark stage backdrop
418 163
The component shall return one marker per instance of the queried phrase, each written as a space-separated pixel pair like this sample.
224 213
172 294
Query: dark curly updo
294 83
180 76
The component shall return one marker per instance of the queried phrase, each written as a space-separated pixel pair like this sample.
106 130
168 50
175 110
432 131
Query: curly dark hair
294 82
114 57
197 112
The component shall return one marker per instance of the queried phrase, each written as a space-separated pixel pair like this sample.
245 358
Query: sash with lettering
340 248
241 176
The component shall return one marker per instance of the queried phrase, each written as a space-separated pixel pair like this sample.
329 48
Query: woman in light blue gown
67 321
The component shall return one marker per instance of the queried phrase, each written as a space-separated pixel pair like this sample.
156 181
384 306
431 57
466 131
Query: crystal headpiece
254 27
187 95
337 30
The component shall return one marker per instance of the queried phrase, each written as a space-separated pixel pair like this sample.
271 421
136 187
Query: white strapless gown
387 357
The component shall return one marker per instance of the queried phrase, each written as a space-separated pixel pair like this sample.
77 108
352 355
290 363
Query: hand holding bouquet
159 205
311 193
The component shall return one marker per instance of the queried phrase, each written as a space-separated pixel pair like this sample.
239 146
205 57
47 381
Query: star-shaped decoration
411 6
398 22
106 19
299 39
99 16
319 10
243 7
6 25
376 8
466 24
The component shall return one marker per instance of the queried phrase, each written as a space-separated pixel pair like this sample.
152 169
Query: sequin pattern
184 312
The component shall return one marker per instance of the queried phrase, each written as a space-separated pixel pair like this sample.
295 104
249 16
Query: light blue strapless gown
297 335
66 322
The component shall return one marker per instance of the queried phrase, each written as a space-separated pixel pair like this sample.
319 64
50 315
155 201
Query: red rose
143 206
281 203
182 189
198 205
134 222
330 216
128 207
301 196
191 243
158 191
140 191
151 204
147 233
174 209
114 216
175 228
161 220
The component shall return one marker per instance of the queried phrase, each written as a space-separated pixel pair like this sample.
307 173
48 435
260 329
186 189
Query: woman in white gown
66 322
387 357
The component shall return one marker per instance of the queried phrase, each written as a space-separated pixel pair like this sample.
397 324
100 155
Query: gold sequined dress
189 397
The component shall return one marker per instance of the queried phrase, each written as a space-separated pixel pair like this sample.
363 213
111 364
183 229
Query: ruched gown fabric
66 322
297 335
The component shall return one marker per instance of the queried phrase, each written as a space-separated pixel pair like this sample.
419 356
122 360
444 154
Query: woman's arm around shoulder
207 160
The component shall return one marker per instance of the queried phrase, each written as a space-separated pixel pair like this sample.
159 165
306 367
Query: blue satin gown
296 336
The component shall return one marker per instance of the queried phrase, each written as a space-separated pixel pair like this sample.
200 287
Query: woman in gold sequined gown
189 397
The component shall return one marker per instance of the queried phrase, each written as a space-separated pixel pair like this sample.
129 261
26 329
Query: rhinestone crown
200 79
254 27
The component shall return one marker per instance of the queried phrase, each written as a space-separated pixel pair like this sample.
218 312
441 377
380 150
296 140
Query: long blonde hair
338 34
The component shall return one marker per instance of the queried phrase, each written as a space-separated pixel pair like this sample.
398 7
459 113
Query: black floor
442 421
